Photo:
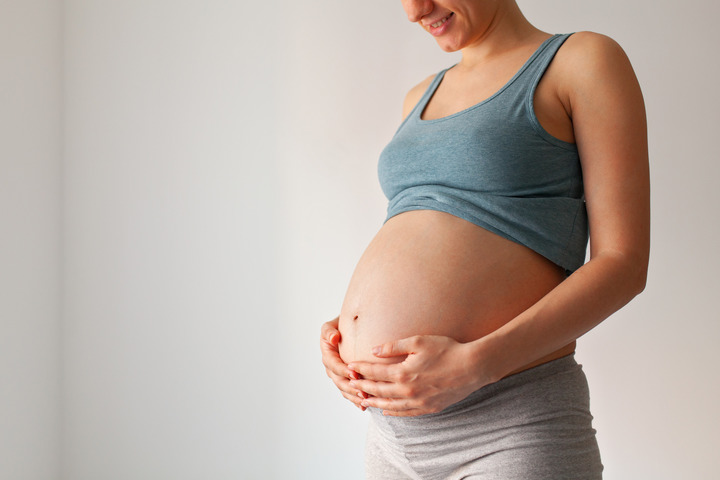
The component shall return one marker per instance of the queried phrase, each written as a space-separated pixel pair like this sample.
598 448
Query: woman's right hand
336 369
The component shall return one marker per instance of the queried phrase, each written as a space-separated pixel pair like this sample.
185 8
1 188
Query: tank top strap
420 105
537 66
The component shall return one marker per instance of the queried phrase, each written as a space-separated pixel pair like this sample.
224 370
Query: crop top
495 166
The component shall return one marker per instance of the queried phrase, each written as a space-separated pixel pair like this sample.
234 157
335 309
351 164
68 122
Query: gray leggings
535 425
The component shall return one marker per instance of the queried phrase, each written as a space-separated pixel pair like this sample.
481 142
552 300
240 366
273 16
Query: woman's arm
603 98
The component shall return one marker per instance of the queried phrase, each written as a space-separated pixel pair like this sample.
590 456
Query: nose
416 9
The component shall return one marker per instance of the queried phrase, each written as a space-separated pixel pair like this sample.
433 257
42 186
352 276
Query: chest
460 91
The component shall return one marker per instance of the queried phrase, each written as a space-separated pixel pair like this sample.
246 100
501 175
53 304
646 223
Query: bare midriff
431 273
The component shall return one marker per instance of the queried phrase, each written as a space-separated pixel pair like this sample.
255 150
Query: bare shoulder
415 94
592 43
588 60
606 106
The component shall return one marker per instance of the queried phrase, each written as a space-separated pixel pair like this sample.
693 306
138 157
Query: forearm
582 301
438 371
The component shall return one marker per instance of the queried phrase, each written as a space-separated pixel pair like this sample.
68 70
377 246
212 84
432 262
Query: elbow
641 281
630 271
638 273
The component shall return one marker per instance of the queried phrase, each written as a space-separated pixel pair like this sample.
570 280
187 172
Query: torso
460 90
428 272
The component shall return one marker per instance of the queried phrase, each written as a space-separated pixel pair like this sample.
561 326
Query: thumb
394 349
330 332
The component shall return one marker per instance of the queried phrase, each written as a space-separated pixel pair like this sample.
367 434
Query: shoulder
415 94
592 66
590 43
589 58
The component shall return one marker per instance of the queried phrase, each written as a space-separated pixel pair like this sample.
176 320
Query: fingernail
364 404
353 384
354 375
377 350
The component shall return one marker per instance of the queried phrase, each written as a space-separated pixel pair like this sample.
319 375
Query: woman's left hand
437 372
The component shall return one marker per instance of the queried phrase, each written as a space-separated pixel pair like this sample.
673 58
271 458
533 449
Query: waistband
562 365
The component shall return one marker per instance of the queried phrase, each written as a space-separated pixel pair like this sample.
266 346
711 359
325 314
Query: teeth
437 24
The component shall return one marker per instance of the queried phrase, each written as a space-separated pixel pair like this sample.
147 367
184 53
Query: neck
509 29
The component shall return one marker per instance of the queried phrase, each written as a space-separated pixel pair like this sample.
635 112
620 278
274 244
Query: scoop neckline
441 76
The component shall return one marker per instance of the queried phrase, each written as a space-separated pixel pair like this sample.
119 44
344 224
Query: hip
528 423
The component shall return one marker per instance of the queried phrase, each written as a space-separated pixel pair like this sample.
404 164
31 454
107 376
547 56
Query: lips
441 21
439 26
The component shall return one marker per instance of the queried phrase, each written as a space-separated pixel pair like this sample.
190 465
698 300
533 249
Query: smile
441 21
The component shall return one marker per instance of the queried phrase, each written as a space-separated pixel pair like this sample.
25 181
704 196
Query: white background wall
30 151
186 187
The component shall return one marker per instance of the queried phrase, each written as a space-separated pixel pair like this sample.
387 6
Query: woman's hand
437 372
336 369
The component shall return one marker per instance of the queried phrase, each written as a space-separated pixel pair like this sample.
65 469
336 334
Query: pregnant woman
458 328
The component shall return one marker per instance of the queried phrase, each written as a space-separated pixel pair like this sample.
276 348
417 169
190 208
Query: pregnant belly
428 272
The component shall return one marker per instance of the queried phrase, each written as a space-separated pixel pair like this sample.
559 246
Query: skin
590 96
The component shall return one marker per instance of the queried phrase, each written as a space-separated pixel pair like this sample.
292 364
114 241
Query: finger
378 372
404 346
343 384
393 405
336 365
381 389
329 331
410 412
332 361
330 353
355 400
357 405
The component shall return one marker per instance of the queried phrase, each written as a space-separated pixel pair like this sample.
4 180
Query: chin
447 47
450 43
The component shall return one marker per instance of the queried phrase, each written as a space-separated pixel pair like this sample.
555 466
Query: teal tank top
493 165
